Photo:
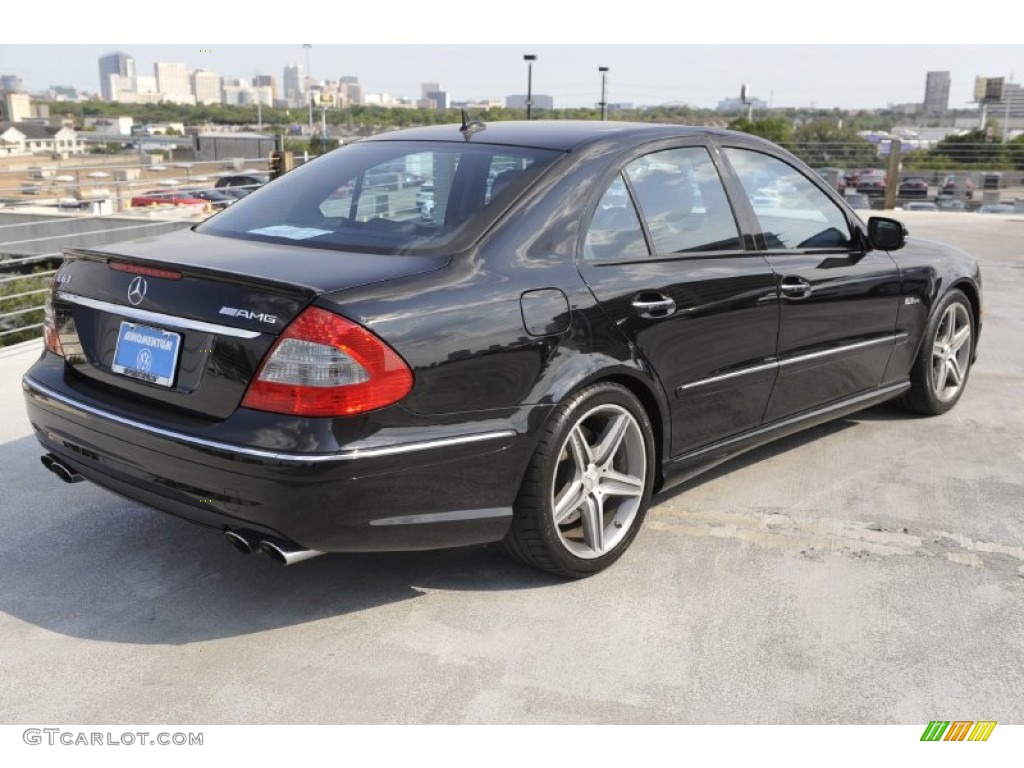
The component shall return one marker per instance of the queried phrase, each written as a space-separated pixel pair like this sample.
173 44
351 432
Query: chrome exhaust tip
60 469
241 542
286 554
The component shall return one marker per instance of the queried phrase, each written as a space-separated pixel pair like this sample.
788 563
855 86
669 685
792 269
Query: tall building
11 83
351 90
15 107
294 89
266 85
207 86
936 93
1013 96
116 65
173 82
434 96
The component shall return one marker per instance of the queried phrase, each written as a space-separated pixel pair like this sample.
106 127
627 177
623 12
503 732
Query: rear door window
683 202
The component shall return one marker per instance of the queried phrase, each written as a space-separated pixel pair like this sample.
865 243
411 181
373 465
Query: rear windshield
387 197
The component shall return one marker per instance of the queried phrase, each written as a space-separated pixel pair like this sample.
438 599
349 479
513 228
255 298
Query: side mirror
886 234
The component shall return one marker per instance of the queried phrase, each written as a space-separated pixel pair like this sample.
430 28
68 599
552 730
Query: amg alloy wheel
588 486
943 363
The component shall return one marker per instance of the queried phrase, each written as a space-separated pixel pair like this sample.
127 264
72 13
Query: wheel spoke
593 524
954 371
946 328
615 483
569 500
581 452
610 441
960 338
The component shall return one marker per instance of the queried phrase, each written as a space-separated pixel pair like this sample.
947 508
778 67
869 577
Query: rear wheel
588 485
940 372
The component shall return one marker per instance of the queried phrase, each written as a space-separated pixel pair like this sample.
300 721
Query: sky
698 59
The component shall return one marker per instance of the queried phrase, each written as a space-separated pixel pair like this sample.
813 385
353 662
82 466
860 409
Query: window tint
683 202
615 231
791 210
387 197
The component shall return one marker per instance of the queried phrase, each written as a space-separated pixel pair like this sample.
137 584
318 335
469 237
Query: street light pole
309 91
604 103
529 58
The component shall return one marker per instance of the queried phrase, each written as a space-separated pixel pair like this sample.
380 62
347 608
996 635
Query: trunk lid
183 321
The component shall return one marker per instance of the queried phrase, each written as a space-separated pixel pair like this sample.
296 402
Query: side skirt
682 468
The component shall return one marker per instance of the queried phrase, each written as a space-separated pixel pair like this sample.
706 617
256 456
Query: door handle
653 305
795 287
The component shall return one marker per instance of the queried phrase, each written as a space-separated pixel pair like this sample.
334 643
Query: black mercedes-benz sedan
593 311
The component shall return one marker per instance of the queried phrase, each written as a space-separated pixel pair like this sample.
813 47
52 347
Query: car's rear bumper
410 490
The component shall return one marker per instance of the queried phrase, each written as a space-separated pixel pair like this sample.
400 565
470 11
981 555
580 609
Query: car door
839 299
664 256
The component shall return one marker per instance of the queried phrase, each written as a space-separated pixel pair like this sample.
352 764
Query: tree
824 143
772 128
973 148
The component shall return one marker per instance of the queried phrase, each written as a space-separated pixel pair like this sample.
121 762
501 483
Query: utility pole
529 58
309 90
604 103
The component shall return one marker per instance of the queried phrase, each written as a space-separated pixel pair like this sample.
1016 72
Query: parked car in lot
165 197
217 198
834 177
997 208
913 186
529 367
858 202
871 183
241 183
921 205
954 186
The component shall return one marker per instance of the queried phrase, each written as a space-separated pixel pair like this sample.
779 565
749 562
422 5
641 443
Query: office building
173 82
936 93
115 65
434 97
266 86
207 87
294 87
11 83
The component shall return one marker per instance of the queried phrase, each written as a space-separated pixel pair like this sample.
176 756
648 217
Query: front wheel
588 485
940 372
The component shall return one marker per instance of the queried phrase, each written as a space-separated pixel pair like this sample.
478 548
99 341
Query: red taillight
51 339
325 365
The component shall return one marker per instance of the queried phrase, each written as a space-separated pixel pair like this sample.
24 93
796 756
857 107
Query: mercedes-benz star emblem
137 291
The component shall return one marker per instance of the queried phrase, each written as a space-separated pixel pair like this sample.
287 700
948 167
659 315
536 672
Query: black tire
943 363
600 506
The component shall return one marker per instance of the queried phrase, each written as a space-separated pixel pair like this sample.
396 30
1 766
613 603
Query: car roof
562 135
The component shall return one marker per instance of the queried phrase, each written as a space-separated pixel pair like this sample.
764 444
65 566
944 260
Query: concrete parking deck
868 571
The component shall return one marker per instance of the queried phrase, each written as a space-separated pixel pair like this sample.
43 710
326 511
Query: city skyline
845 76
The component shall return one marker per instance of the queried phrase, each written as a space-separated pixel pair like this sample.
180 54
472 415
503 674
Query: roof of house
32 130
